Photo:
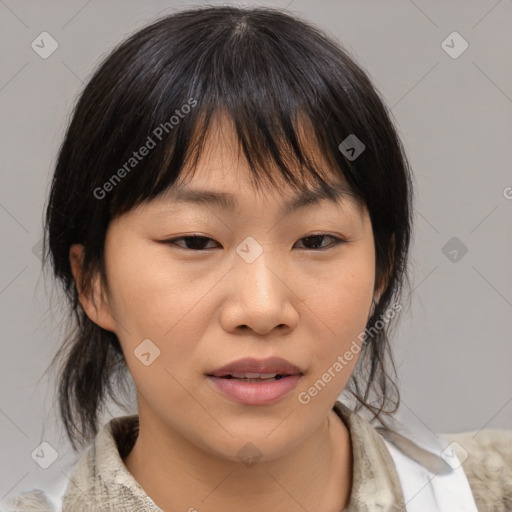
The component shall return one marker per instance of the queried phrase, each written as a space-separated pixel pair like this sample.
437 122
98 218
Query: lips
250 368
255 382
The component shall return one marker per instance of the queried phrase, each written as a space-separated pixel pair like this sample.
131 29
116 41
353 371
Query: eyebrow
229 202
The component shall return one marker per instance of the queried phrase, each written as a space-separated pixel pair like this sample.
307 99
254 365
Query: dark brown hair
265 69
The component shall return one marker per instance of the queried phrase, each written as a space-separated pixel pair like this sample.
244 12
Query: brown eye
198 243
316 240
193 243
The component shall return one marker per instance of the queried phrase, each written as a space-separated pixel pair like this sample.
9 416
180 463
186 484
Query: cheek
156 298
338 310
340 300
153 294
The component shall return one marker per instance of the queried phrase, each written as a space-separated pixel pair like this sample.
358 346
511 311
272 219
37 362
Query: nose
261 297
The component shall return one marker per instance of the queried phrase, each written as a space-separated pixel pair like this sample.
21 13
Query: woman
230 217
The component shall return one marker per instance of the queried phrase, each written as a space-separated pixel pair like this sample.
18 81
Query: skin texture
204 309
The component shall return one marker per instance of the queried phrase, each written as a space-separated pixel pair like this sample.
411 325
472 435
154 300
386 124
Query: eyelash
336 241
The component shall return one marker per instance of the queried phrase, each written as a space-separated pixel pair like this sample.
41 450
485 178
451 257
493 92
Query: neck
178 475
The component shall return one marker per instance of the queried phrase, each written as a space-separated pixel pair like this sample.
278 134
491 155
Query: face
258 283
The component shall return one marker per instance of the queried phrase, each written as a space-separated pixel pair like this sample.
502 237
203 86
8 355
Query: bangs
287 118
276 157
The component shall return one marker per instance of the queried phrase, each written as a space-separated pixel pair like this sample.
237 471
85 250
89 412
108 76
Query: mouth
274 368
256 382
254 377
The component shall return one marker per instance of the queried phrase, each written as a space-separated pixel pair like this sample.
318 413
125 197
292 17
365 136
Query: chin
251 446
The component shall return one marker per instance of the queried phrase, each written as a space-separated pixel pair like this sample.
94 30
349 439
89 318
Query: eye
315 240
197 243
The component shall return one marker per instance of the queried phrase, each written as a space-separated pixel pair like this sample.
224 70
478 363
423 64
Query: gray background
453 346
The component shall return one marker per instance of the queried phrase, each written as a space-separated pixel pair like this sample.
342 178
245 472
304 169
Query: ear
93 299
384 281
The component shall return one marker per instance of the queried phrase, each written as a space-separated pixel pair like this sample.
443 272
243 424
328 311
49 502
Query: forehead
221 199
222 176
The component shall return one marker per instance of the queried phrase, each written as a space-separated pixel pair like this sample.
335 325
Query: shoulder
69 493
42 494
486 458
34 500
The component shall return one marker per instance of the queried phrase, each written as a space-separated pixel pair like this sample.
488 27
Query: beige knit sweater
100 481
